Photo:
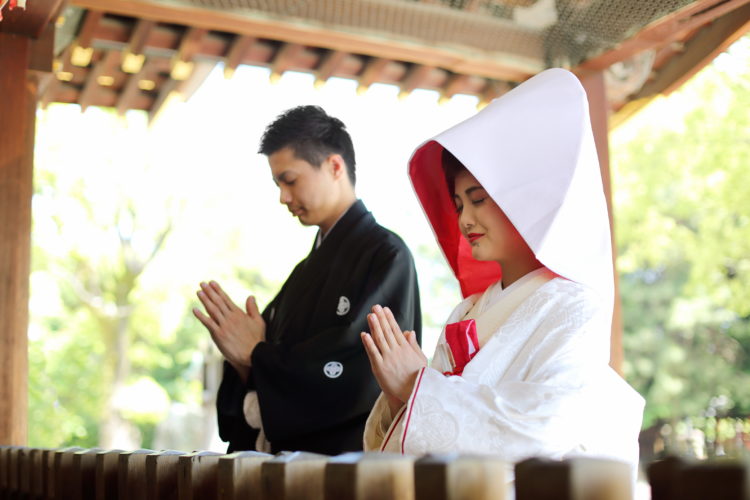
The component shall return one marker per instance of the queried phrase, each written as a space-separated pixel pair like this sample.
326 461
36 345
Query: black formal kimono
313 379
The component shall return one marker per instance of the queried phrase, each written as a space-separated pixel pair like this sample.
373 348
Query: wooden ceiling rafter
454 85
328 65
418 76
102 68
493 90
82 51
133 57
699 51
666 30
513 67
88 28
200 73
284 59
190 44
371 73
166 89
132 87
238 48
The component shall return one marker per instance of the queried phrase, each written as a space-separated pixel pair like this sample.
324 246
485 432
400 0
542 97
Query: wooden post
452 477
17 120
663 476
84 474
294 476
26 43
725 479
106 474
239 475
596 90
574 479
162 474
131 474
360 476
198 475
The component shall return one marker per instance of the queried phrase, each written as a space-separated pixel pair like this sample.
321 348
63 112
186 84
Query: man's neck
343 207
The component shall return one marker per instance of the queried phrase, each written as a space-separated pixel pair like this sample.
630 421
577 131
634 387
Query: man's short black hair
312 134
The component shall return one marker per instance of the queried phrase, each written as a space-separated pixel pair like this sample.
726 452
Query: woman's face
489 232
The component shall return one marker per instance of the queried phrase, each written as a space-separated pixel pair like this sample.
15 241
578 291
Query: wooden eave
140 51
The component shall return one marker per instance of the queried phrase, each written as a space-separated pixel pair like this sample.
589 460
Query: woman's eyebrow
473 188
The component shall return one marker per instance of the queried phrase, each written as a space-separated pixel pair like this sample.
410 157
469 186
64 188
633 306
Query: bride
514 196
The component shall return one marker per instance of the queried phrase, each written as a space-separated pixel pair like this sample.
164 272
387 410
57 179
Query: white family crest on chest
343 306
333 369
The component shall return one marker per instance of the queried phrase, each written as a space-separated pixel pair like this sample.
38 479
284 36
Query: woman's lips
472 237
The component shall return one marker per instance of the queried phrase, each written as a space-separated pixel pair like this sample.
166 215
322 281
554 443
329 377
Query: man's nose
285 197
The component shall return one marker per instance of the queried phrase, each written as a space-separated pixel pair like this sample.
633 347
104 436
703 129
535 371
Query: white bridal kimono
540 384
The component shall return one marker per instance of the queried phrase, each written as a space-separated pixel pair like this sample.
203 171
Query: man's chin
304 220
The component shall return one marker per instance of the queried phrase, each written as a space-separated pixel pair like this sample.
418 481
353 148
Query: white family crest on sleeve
333 369
343 306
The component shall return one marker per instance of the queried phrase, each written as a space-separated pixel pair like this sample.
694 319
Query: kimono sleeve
232 424
325 381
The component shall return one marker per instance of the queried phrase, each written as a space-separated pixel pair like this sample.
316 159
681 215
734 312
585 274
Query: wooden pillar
26 48
596 90
17 120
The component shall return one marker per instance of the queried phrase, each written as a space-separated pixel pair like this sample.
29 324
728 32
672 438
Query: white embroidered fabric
540 386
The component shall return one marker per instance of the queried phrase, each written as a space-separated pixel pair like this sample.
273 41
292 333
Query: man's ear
337 165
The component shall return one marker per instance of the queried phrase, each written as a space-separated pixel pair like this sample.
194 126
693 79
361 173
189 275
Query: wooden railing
76 473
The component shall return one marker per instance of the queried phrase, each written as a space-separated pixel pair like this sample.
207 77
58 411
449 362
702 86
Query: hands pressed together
395 356
234 331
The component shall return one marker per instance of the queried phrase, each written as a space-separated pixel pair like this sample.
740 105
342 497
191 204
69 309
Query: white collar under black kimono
320 236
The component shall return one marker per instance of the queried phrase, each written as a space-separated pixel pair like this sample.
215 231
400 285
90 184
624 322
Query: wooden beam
453 86
88 28
284 59
43 50
371 73
60 65
415 78
81 50
31 21
165 92
201 71
132 88
104 68
140 35
17 119
698 52
596 91
182 61
236 53
492 90
328 65
502 66
133 58
668 29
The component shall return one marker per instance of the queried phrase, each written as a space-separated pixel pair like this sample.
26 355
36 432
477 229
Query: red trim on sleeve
393 427
411 407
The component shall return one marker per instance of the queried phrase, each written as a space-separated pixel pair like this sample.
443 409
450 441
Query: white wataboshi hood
533 151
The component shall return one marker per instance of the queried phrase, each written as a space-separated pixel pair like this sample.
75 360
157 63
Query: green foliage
682 207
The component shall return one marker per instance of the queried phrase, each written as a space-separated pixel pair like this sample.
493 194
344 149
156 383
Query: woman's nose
465 219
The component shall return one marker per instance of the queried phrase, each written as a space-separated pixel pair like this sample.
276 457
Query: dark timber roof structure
133 54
